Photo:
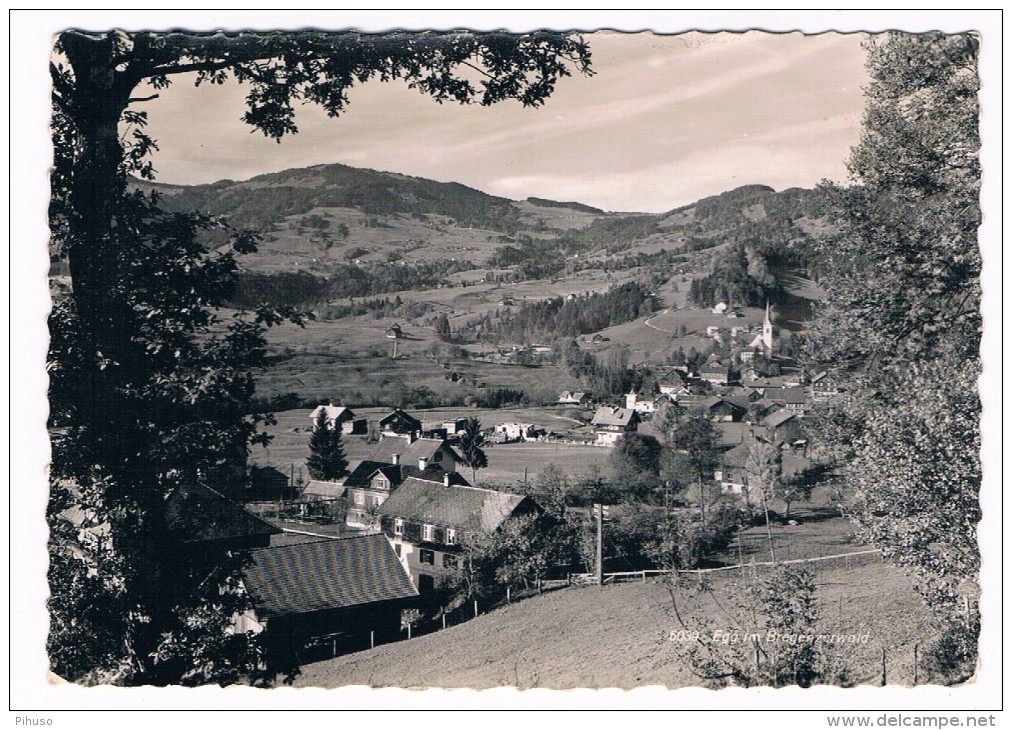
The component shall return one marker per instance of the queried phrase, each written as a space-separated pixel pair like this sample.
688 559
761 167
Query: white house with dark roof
427 522
612 423
343 417
373 480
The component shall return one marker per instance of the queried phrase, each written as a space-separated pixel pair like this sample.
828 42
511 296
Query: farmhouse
372 481
715 373
610 424
206 524
399 423
824 387
724 408
573 398
343 417
784 425
427 522
337 593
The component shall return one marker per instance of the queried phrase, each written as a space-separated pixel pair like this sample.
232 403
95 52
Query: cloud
663 117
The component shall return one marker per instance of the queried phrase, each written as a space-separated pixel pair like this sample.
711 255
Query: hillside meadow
628 635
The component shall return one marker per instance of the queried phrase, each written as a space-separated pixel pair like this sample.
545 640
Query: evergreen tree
471 451
327 460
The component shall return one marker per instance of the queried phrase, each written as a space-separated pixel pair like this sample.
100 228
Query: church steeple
768 331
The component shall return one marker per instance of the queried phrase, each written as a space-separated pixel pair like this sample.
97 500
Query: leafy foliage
902 321
151 390
775 626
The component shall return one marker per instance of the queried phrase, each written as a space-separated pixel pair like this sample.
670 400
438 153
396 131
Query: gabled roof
315 576
794 395
335 414
738 401
399 416
321 488
714 367
609 416
731 434
362 475
410 453
463 508
197 513
736 456
779 418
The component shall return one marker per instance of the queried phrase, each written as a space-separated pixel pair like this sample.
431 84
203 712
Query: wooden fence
859 557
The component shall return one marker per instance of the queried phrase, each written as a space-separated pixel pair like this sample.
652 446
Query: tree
763 614
635 463
326 449
471 441
696 440
902 323
151 388
442 327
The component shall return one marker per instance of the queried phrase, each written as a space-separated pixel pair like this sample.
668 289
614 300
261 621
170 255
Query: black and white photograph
541 354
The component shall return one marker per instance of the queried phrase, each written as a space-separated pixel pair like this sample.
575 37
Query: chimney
446 478
396 459
422 463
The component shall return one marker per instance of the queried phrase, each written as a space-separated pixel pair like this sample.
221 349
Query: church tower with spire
768 332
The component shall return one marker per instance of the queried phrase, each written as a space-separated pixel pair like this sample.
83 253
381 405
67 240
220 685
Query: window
451 536
398 529
380 483
449 561
427 533
376 501
397 549
359 498
426 557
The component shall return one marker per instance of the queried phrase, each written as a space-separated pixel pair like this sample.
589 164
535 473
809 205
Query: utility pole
599 513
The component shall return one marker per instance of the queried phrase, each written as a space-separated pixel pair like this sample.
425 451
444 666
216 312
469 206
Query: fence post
915 664
883 666
372 639
508 598
444 618
644 576
476 608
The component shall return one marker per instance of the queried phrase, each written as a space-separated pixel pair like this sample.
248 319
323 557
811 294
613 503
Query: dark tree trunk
108 409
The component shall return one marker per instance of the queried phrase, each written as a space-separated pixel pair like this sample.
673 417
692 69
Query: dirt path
647 322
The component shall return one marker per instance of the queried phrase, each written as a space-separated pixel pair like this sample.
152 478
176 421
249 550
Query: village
345 562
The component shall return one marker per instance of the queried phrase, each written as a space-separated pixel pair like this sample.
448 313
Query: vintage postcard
464 357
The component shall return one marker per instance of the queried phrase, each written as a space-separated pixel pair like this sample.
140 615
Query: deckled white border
31 696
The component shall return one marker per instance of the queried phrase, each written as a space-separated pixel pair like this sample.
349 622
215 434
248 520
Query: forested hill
266 200
349 232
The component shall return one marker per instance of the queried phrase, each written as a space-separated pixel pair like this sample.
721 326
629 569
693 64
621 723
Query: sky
664 121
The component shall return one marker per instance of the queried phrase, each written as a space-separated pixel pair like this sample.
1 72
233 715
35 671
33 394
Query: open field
619 636
507 462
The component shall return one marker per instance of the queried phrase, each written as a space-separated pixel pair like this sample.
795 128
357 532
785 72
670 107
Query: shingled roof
197 513
468 509
609 416
411 453
316 576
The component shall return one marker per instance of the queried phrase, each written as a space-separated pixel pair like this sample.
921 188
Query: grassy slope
618 636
